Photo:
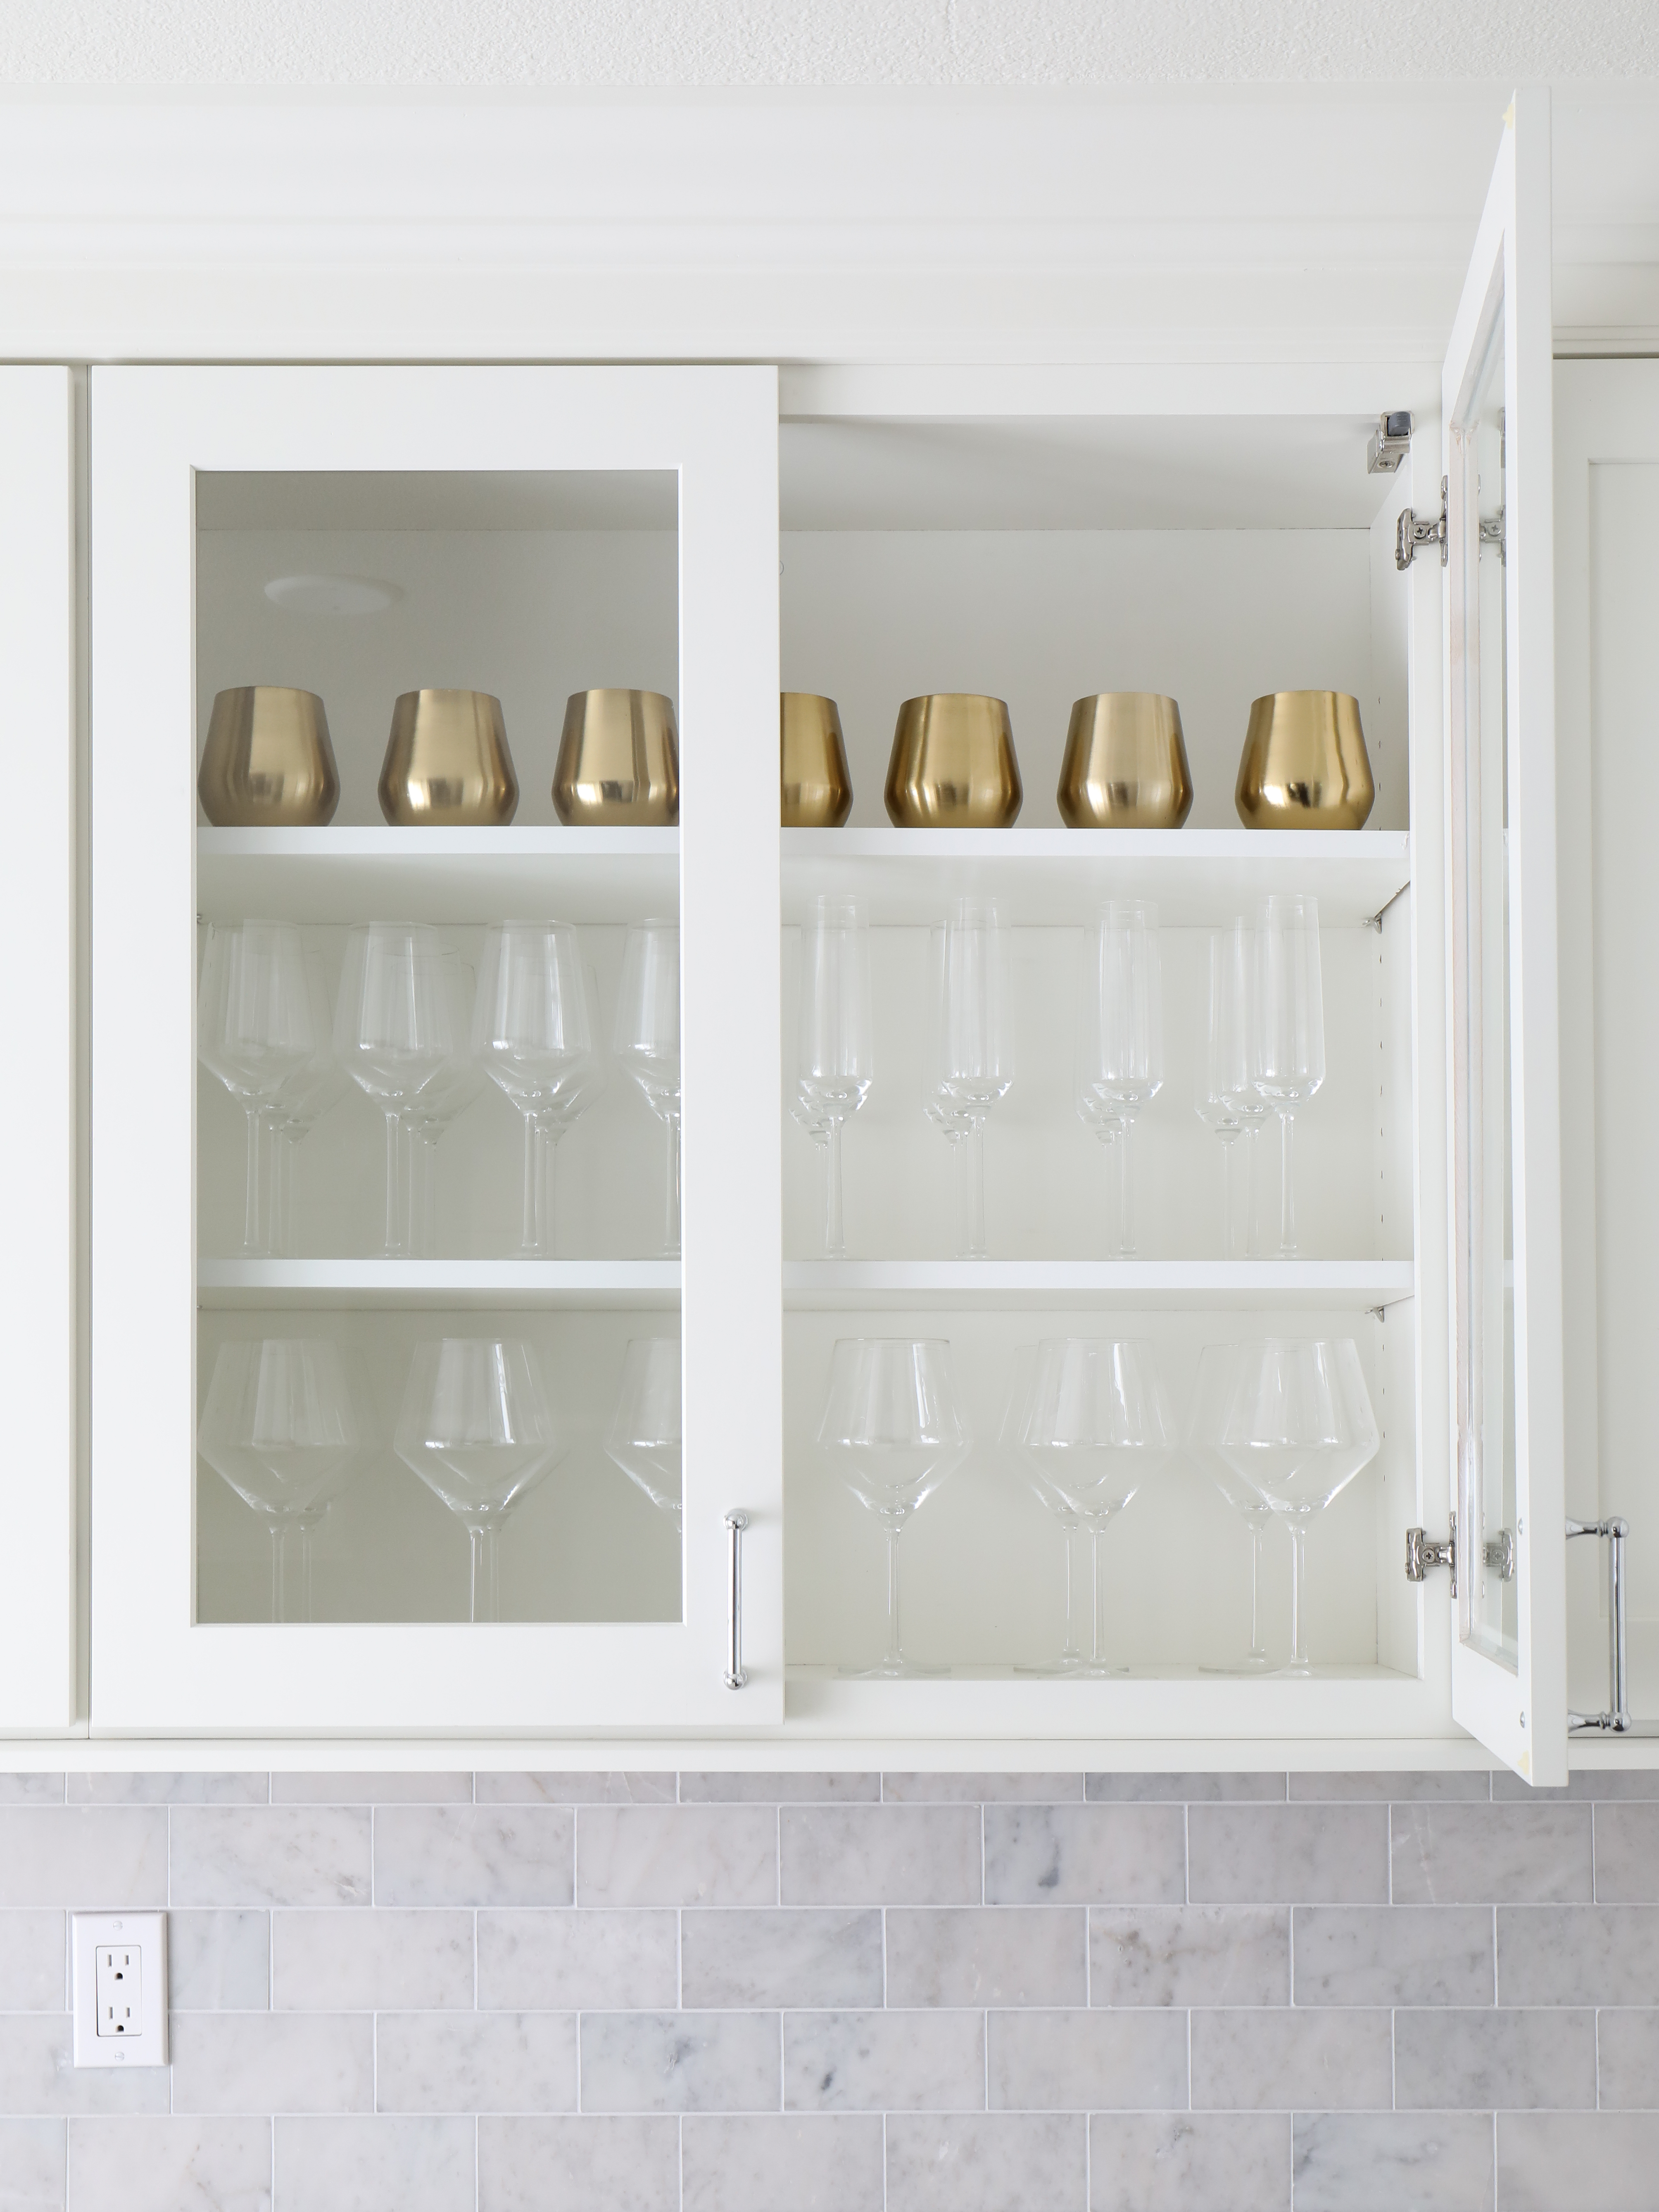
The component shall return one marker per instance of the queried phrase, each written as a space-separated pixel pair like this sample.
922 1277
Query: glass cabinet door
1509 1680
435 827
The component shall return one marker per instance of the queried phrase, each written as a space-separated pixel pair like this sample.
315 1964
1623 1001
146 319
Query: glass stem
530 1230
1252 1234
1229 1147
835 1235
1126 1186
486 1590
1068 1650
1287 1186
1094 1579
427 1157
394 1190
973 1191
670 1233
894 1650
1298 1594
278 1574
1258 1649
251 1245
550 1151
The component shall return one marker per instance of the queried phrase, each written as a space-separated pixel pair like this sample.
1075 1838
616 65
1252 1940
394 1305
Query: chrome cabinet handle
736 1673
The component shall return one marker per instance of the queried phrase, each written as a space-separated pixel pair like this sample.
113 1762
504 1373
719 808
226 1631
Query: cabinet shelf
1200 877
590 1285
1169 1702
898 1286
447 876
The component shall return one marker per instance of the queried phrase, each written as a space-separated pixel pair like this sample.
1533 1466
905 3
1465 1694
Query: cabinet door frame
153 1670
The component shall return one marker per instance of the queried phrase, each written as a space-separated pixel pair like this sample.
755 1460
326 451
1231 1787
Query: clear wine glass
644 1437
1220 1367
393 1032
1223 1073
1104 1120
1100 1427
1298 1428
281 1427
1239 963
976 1034
439 1104
647 1041
474 1424
1120 1030
1024 1469
315 1086
834 1053
1290 1031
254 1032
894 1430
532 1034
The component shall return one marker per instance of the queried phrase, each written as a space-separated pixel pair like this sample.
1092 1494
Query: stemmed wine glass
893 1428
1298 1429
438 1105
254 1032
1220 1369
315 1086
393 1032
835 1055
280 1426
532 1034
1023 1466
1241 985
1120 1045
1102 1120
644 1437
1100 1426
647 1041
474 1424
1290 1031
975 1063
1224 1074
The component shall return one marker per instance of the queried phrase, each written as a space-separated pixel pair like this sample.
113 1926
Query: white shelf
453 876
898 1286
1200 877
589 1284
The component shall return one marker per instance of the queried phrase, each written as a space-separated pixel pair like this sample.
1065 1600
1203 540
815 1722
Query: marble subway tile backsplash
845 1992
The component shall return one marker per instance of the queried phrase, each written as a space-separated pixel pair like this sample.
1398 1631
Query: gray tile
272 2062
1003 1955
774 1788
165 2165
1189 2162
1288 1854
1267 1789
798 2162
169 1789
987 2162
33 1961
1578 1955
265 1854
380 1961
578 1961
578 2164
573 1788
475 2062
1085 1855
824 1959
96 1857
1628 2060
680 2062
219 1961
677 1855
1578 2162
38 2075
1072 2062
873 2061
981 1789
1455 2060
1491 1854
346 1789
32 2165
31 1789
1393 2162
1626 1854
1459 1786
1277 2061
1392 1955
880 1855
1187 1954
1586 1786
473 1855
375 2165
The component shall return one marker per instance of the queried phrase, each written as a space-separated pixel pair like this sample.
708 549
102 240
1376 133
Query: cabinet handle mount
736 1673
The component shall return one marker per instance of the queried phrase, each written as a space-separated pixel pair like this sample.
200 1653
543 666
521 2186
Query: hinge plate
1422 1553
1415 531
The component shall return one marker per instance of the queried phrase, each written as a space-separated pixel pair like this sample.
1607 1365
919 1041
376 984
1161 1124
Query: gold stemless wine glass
817 786
1305 765
447 762
953 765
1125 766
267 761
619 759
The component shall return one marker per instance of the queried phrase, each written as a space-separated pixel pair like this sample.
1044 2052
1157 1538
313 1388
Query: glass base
1253 1662
893 1671
1069 1662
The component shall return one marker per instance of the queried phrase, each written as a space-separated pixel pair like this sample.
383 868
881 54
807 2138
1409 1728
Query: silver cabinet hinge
1391 441
1415 531
1421 1555
1492 533
1499 1553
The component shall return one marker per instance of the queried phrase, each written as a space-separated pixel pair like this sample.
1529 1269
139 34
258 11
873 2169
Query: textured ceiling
550 43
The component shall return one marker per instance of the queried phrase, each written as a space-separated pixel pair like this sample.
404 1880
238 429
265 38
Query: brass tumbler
267 761
619 759
447 762
953 765
817 788
1304 765
1126 764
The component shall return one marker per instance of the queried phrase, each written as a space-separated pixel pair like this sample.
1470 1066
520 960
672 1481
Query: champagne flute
1290 1034
532 1034
1104 1120
1244 1097
975 1042
393 1031
1023 1466
647 1041
1121 1029
1223 1073
834 1056
254 1015
316 1085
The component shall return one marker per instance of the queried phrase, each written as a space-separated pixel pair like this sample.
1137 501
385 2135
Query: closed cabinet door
434 976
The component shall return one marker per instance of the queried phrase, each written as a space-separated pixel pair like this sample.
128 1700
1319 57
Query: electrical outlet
119 1964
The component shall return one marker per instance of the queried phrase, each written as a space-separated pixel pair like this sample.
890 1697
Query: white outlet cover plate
147 1932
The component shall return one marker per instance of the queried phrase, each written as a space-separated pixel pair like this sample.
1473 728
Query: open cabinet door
1509 1653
